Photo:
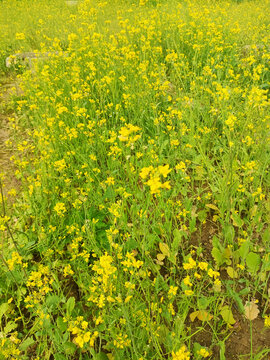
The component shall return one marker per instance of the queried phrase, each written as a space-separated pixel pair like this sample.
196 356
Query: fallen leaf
203 315
193 315
251 310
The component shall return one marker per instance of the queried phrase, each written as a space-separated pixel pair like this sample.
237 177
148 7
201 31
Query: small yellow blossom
181 354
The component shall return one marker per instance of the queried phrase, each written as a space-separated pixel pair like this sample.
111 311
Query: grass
141 143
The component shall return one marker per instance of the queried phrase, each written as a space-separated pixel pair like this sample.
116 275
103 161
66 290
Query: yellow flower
145 171
164 170
187 281
203 265
230 122
203 352
155 184
20 36
267 321
181 354
190 265
60 209
172 291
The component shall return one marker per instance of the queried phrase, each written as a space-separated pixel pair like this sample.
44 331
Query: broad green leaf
236 297
244 249
69 347
202 215
203 303
53 301
218 256
227 315
61 324
10 326
70 305
237 221
177 238
266 262
232 273
101 356
222 350
3 309
253 261
98 356
28 342
59 356
229 232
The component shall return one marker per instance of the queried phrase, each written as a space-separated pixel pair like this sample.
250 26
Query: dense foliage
140 138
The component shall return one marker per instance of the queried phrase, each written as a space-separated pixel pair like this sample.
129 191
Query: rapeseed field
139 140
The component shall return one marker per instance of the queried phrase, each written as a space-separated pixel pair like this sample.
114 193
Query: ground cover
139 137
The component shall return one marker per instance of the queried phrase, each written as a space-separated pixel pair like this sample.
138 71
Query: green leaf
237 221
70 305
53 301
61 324
218 256
203 303
228 232
244 249
222 350
236 297
202 215
10 326
266 236
232 273
101 356
177 238
98 356
69 348
253 262
266 262
227 315
3 309
28 342
59 357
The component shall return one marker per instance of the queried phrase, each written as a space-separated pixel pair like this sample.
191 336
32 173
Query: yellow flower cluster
103 286
181 354
9 346
125 134
60 209
16 259
41 279
83 336
154 178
